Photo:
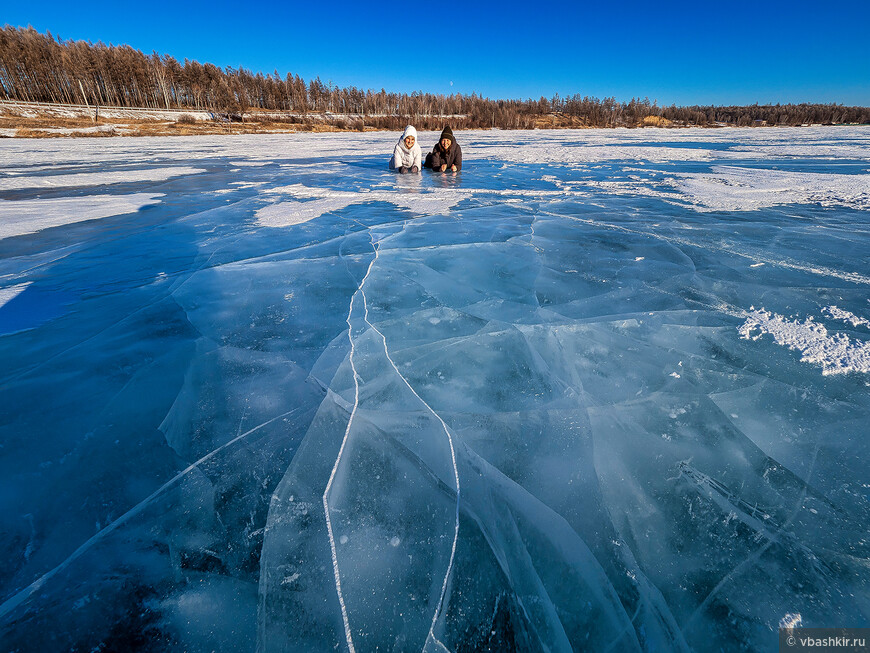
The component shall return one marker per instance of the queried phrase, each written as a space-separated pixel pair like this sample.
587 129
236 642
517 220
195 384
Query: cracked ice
601 390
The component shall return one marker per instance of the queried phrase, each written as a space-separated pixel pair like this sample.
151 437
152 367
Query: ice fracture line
18 598
820 270
452 457
756 555
347 633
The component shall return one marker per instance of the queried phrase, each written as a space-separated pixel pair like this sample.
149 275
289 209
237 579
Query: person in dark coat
446 155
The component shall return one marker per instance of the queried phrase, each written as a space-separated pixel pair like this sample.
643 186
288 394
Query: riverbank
42 120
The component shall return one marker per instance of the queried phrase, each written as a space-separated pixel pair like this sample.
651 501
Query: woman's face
445 143
409 142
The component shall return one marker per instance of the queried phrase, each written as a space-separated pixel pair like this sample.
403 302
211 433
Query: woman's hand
444 167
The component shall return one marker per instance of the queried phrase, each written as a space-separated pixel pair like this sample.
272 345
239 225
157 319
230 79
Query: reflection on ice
603 390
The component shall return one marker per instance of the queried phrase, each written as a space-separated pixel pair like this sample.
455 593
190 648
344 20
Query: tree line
39 67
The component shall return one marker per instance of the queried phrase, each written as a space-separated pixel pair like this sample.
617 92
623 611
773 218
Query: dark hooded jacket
452 156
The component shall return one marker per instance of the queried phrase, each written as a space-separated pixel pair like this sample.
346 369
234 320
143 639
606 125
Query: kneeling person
406 156
446 155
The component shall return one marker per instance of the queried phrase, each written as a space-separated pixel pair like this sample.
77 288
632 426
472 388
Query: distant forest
38 67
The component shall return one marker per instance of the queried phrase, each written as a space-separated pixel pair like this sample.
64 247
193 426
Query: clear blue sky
675 52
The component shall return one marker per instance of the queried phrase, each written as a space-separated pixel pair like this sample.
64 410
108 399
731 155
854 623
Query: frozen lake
601 390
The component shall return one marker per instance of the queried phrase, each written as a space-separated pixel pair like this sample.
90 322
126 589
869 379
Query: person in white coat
407 156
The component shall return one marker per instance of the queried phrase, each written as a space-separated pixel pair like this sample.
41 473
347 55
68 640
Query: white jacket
402 156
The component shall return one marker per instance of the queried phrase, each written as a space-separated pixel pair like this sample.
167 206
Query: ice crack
18 598
444 585
329 529
438 610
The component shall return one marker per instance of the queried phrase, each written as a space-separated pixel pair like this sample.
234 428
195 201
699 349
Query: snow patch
747 189
11 292
567 147
846 316
791 620
836 353
96 129
319 201
96 178
21 217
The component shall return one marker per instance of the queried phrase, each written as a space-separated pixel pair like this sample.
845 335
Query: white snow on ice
836 353
747 189
320 201
18 217
96 129
791 620
11 292
80 179
563 147
573 149
728 188
846 316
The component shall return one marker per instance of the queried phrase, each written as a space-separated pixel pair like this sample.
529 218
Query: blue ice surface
518 408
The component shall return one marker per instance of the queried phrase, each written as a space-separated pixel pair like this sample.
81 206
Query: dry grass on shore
51 126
